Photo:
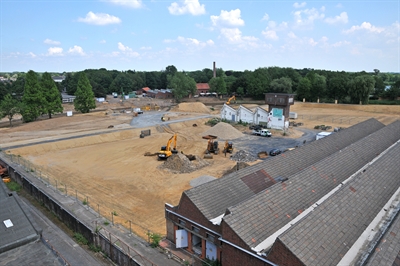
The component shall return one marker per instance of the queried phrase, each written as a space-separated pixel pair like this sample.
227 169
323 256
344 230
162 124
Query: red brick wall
282 256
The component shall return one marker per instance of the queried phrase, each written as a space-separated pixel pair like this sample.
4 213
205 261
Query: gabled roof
258 218
245 108
325 235
258 108
202 86
214 197
146 89
388 250
227 106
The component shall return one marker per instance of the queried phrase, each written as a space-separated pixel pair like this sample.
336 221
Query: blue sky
73 35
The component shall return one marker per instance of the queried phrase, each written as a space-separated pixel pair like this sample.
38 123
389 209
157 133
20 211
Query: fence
116 249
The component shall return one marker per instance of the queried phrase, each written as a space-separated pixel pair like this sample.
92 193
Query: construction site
128 165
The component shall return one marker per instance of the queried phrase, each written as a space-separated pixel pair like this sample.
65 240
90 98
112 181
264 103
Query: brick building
266 214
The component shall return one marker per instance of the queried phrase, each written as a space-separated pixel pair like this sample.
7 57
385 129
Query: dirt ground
111 170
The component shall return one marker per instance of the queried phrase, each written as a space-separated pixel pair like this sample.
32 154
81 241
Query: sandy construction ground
110 167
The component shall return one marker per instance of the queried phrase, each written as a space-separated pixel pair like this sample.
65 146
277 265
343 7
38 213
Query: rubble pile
195 107
243 156
237 167
179 164
224 131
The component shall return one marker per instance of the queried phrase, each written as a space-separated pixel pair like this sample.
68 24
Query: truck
262 132
138 110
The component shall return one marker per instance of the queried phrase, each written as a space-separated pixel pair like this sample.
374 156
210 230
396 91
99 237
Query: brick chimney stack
214 70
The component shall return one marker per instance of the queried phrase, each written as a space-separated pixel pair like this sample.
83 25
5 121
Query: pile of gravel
237 167
224 131
179 164
243 156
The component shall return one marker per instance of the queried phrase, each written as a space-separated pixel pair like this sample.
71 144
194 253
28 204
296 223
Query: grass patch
80 239
14 186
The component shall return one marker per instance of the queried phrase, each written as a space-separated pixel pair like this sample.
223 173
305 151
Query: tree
337 86
360 88
182 85
122 83
283 85
394 91
218 85
70 83
169 72
53 102
84 100
9 107
304 89
33 99
258 83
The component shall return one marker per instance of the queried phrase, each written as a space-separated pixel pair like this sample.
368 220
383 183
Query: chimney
214 70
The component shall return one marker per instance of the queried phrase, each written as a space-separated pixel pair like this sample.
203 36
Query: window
181 222
210 237
195 229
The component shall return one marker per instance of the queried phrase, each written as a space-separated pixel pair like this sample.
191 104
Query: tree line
35 91
39 95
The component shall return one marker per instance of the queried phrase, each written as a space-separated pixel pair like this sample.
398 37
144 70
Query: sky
141 35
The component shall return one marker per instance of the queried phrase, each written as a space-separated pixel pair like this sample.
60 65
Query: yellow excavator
166 151
233 98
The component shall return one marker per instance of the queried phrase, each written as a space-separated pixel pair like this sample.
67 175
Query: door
181 238
233 118
211 251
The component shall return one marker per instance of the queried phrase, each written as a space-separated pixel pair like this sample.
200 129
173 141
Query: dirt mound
238 166
243 156
192 107
179 163
224 131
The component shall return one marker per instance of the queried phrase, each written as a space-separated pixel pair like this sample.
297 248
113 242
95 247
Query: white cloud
232 35
55 51
342 18
270 34
365 26
99 19
291 35
265 17
145 48
192 7
194 42
228 18
76 50
103 41
341 43
312 42
32 55
126 50
297 5
128 3
305 18
51 42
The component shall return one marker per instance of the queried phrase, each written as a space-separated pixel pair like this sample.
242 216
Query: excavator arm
233 98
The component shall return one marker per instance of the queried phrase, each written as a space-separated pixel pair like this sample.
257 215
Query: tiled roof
257 218
202 86
325 235
214 197
388 250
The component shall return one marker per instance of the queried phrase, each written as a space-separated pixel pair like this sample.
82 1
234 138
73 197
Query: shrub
155 239
80 239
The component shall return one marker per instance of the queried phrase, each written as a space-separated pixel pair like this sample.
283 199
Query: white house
228 113
260 116
244 114
276 119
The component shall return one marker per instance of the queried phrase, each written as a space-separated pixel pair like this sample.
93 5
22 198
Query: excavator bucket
208 156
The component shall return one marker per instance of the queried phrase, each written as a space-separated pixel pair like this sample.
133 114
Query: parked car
275 152
262 132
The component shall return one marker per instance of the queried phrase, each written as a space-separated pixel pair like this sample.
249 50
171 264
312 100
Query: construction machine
166 151
233 98
212 146
228 148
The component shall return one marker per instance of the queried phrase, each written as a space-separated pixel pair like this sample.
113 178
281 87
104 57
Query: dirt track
111 169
